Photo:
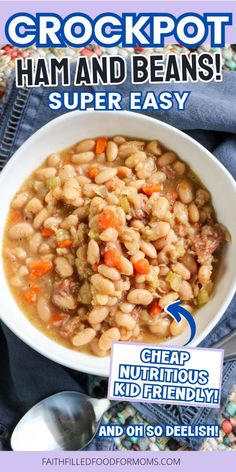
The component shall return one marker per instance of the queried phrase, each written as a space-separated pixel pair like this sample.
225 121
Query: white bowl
64 132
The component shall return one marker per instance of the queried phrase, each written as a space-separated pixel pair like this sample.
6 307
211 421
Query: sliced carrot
65 244
149 189
39 269
112 258
31 295
107 219
142 266
93 172
56 318
101 145
47 232
154 308
16 216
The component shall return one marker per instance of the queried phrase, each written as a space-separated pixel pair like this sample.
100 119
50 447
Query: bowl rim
75 363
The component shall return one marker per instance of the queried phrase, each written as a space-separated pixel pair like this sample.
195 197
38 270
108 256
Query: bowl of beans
107 218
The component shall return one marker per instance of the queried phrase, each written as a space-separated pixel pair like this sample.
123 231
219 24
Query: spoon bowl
65 421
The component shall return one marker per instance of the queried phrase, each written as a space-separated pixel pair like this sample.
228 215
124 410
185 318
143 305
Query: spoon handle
229 345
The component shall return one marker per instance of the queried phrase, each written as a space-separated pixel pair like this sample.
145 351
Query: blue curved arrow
176 310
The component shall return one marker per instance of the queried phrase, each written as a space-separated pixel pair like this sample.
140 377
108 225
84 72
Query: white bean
46 173
98 314
84 337
180 269
125 320
178 328
93 252
160 208
63 267
106 339
167 158
52 222
109 235
190 263
125 266
20 231
66 172
86 145
96 350
181 212
35 242
148 249
185 291
20 253
140 297
83 157
179 167
54 160
161 327
43 309
105 175
204 274
109 272
135 159
71 189
193 213
159 230
102 284
111 151
34 206
185 192
126 307
154 147
167 299
40 217
20 200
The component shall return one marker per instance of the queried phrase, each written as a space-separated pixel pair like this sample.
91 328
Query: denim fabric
25 376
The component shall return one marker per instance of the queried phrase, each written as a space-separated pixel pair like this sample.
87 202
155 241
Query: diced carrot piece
93 172
16 216
149 189
56 318
154 308
31 295
47 232
66 161
95 267
107 219
65 244
39 269
112 258
101 145
142 266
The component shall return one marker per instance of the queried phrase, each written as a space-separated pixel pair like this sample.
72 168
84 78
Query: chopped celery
203 297
124 203
92 234
180 251
174 280
53 182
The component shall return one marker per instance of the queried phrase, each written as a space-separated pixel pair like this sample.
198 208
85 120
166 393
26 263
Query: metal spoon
65 421
68 420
